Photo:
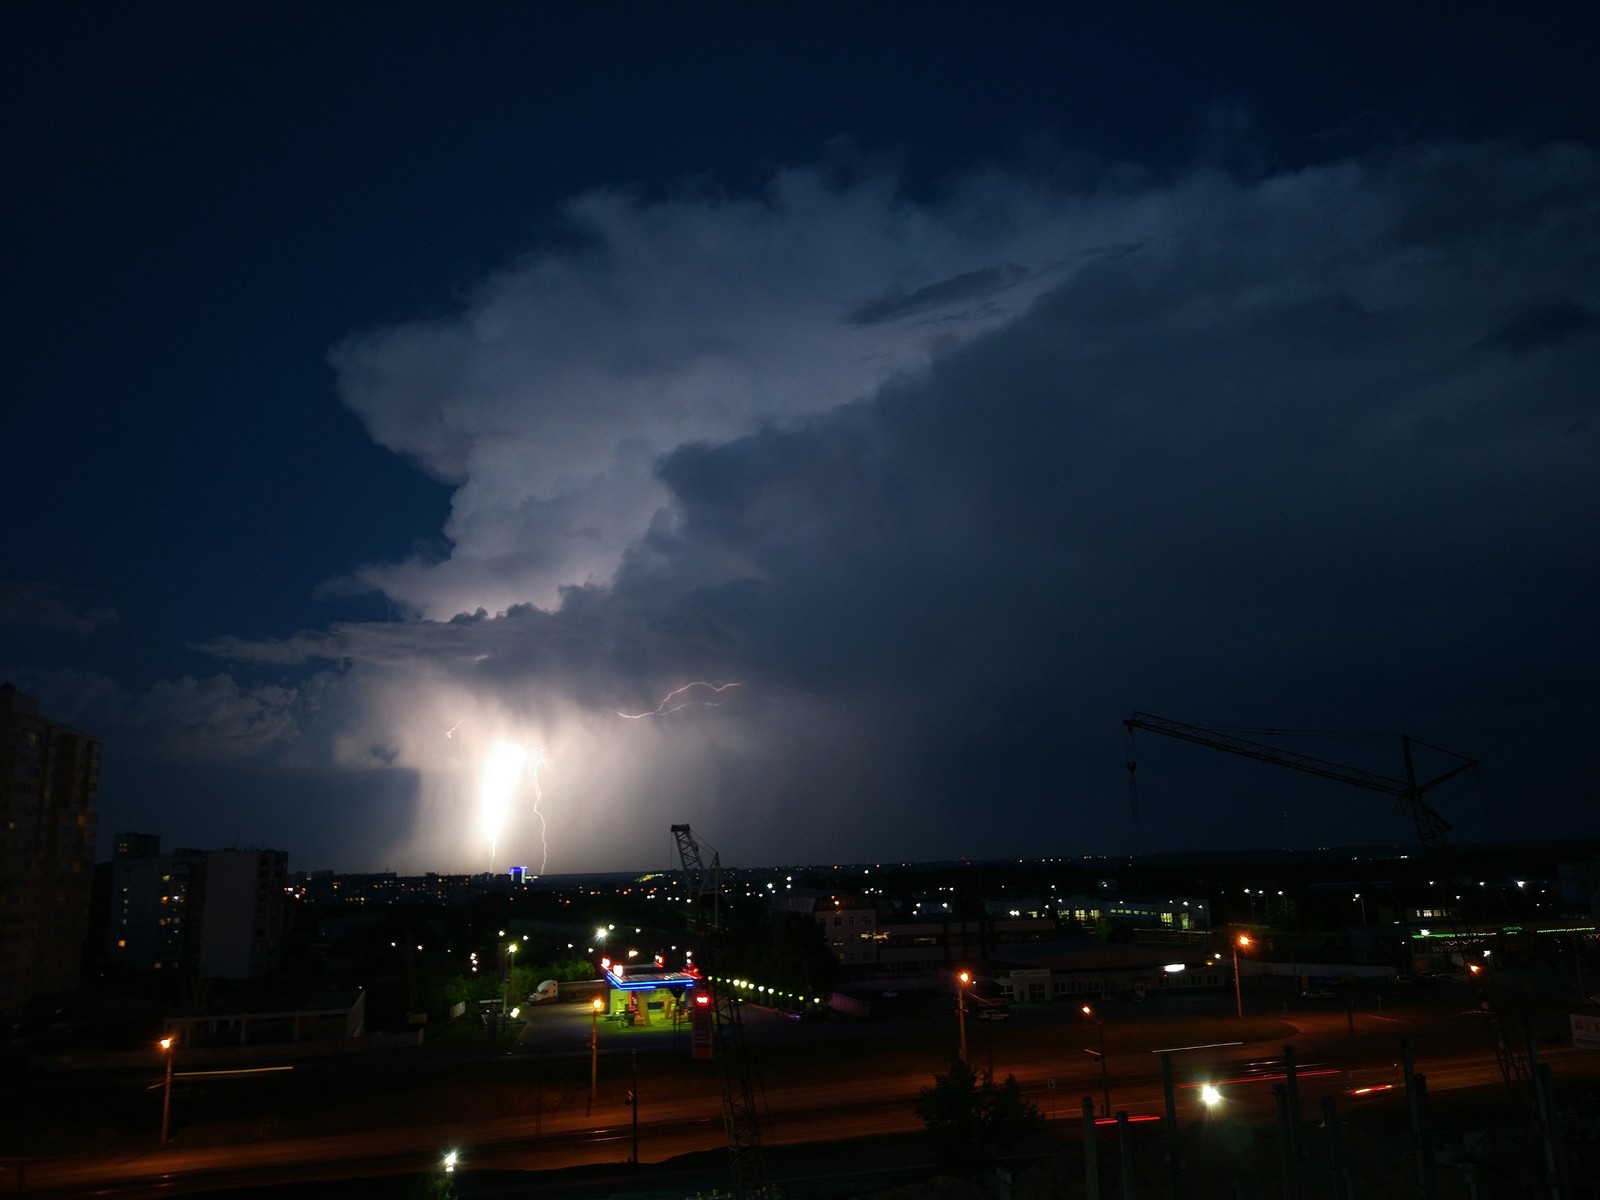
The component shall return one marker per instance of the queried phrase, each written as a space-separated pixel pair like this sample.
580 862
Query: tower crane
1431 830
703 884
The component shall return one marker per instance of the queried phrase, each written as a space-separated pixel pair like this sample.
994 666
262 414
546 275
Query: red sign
700 1029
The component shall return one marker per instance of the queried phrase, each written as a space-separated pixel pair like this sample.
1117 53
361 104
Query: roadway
1335 1052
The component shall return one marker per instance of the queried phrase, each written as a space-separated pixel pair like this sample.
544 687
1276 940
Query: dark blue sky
954 379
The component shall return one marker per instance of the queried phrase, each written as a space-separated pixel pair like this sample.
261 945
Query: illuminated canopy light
1173 968
635 980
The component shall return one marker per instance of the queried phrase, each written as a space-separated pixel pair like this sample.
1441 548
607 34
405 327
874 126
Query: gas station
643 994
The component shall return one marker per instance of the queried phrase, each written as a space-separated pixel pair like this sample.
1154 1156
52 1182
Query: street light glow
1209 1096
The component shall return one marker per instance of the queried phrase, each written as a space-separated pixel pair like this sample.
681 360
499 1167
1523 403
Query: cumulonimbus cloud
946 479
701 317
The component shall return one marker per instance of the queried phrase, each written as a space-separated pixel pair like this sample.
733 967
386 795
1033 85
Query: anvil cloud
950 485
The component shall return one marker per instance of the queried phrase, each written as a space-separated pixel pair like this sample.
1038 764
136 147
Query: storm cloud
949 486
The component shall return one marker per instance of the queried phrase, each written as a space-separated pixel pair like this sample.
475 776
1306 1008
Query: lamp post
1105 1071
1363 905
168 1045
961 1009
1239 940
594 1047
505 978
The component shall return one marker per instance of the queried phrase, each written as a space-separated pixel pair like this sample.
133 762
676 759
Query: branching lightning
690 695
538 796
500 775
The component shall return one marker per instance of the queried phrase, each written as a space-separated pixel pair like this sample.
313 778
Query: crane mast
703 883
1430 826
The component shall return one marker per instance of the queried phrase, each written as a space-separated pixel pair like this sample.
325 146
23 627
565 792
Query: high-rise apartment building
154 905
217 914
49 778
241 926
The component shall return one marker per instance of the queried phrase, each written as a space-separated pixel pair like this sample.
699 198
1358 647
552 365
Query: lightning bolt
538 796
690 695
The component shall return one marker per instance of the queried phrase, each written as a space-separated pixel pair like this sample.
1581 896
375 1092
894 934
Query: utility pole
633 1099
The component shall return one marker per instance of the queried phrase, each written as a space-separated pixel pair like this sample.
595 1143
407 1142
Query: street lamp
961 1009
595 1006
1242 939
168 1044
1105 1072
1363 904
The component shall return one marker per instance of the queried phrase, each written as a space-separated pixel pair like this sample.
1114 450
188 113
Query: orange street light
1243 940
1105 1071
595 1006
167 1045
962 980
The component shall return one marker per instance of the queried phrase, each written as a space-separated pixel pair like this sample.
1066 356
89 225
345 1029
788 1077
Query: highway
1335 1053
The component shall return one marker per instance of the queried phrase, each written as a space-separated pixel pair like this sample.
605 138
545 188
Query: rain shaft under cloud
949 487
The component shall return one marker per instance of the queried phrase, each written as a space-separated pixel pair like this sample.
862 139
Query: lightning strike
500 774
538 797
690 695
497 783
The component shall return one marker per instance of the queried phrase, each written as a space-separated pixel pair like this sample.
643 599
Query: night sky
391 383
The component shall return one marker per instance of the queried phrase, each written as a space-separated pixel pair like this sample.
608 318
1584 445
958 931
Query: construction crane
1431 828
703 885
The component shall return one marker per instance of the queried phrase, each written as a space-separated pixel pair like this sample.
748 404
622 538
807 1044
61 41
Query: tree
432 1187
970 1120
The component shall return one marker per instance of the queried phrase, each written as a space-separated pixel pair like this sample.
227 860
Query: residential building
155 905
217 913
49 781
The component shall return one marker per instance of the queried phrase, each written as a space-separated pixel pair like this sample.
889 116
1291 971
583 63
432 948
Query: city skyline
449 440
